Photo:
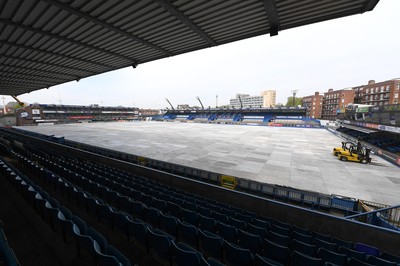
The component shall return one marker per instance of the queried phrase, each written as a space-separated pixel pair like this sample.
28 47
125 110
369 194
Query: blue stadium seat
206 223
300 230
341 243
368 250
99 238
205 211
303 248
103 259
262 261
352 253
282 224
390 257
80 223
256 230
151 216
379 261
183 255
160 245
308 239
211 244
275 252
188 233
228 232
169 224
84 243
279 230
174 209
356 262
244 217
120 222
214 262
117 254
281 240
249 241
66 226
237 256
189 216
136 209
159 204
7 255
222 217
239 224
298 259
137 232
189 205
324 244
326 238
332 257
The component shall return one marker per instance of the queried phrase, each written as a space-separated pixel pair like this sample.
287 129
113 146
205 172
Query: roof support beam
105 25
167 5
37 61
57 54
31 76
64 39
13 81
274 24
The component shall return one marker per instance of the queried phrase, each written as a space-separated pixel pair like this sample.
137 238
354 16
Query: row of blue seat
86 238
329 245
200 214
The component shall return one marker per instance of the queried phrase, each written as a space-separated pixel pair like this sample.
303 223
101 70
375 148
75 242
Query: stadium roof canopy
48 42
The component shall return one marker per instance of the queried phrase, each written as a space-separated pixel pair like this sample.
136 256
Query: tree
297 101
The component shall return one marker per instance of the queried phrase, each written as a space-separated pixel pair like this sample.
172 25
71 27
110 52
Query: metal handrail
371 212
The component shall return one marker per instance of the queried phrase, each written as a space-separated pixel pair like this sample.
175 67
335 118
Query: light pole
294 97
216 101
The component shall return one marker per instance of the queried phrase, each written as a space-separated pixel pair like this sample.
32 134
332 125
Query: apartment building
313 103
335 101
266 98
378 93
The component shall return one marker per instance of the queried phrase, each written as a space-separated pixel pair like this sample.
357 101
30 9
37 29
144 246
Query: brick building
381 93
313 103
336 101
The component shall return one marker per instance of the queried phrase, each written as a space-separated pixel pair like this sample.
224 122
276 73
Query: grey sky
334 54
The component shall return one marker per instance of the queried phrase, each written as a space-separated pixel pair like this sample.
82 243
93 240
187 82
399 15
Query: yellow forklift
345 147
354 154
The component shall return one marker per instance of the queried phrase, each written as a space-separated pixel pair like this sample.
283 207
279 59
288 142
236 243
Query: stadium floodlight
294 97
198 98
172 107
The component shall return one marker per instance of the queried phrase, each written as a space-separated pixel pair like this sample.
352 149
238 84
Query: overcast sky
336 54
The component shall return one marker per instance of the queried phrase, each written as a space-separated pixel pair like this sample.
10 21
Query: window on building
387 88
372 90
367 91
382 88
396 95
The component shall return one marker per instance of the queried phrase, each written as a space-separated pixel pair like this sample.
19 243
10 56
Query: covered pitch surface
296 157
